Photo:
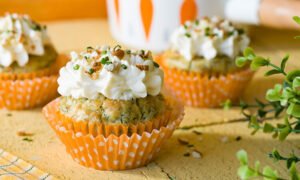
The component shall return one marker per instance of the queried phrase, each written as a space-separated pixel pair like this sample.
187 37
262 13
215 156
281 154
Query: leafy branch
282 99
245 171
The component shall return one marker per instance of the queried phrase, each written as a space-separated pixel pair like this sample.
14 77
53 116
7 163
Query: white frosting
19 38
119 79
208 38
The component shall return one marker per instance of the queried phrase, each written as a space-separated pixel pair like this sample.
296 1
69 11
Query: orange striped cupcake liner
200 90
112 152
28 90
105 129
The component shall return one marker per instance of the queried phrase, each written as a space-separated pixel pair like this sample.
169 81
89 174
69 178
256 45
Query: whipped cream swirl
208 38
112 72
19 38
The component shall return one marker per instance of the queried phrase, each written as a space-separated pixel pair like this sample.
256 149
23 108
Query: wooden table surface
217 143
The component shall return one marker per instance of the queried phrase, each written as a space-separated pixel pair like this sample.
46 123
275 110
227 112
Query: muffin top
20 37
115 73
208 38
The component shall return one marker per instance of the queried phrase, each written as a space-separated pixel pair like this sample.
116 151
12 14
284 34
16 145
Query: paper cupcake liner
199 90
53 69
106 129
28 93
28 90
112 152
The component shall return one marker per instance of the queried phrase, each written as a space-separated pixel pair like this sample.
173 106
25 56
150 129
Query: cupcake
200 65
28 63
112 114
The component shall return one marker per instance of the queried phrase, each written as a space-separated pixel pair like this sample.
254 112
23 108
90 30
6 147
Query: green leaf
283 62
293 172
274 95
297 19
258 62
262 113
272 72
257 166
275 155
240 61
268 128
284 133
297 37
296 83
259 103
249 53
244 172
227 104
294 110
242 157
270 173
292 75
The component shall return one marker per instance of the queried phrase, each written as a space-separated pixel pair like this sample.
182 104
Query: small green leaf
242 157
275 155
227 104
257 166
274 95
292 75
258 62
296 83
272 72
297 19
297 37
244 172
268 128
283 62
262 113
294 110
249 53
270 173
293 172
284 133
240 61
259 103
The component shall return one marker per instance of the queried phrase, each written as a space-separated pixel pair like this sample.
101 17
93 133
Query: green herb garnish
123 66
91 71
103 52
155 64
105 61
197 22
207 31
27 139
76 67
187 35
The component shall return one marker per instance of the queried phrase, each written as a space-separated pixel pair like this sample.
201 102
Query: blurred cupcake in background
200 65
112 114
28 63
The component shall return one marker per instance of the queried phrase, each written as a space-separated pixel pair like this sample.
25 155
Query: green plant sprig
245 171
282 99
292 158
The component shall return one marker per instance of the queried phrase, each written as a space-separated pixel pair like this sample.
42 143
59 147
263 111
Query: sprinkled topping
113 72
20 37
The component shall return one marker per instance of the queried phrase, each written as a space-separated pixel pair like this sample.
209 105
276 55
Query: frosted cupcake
200 65
112 108
28 63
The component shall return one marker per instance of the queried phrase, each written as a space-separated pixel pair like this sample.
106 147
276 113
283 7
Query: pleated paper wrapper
200 90
102 152
94 128
28 90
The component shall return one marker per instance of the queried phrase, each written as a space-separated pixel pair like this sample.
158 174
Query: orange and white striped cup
148 24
